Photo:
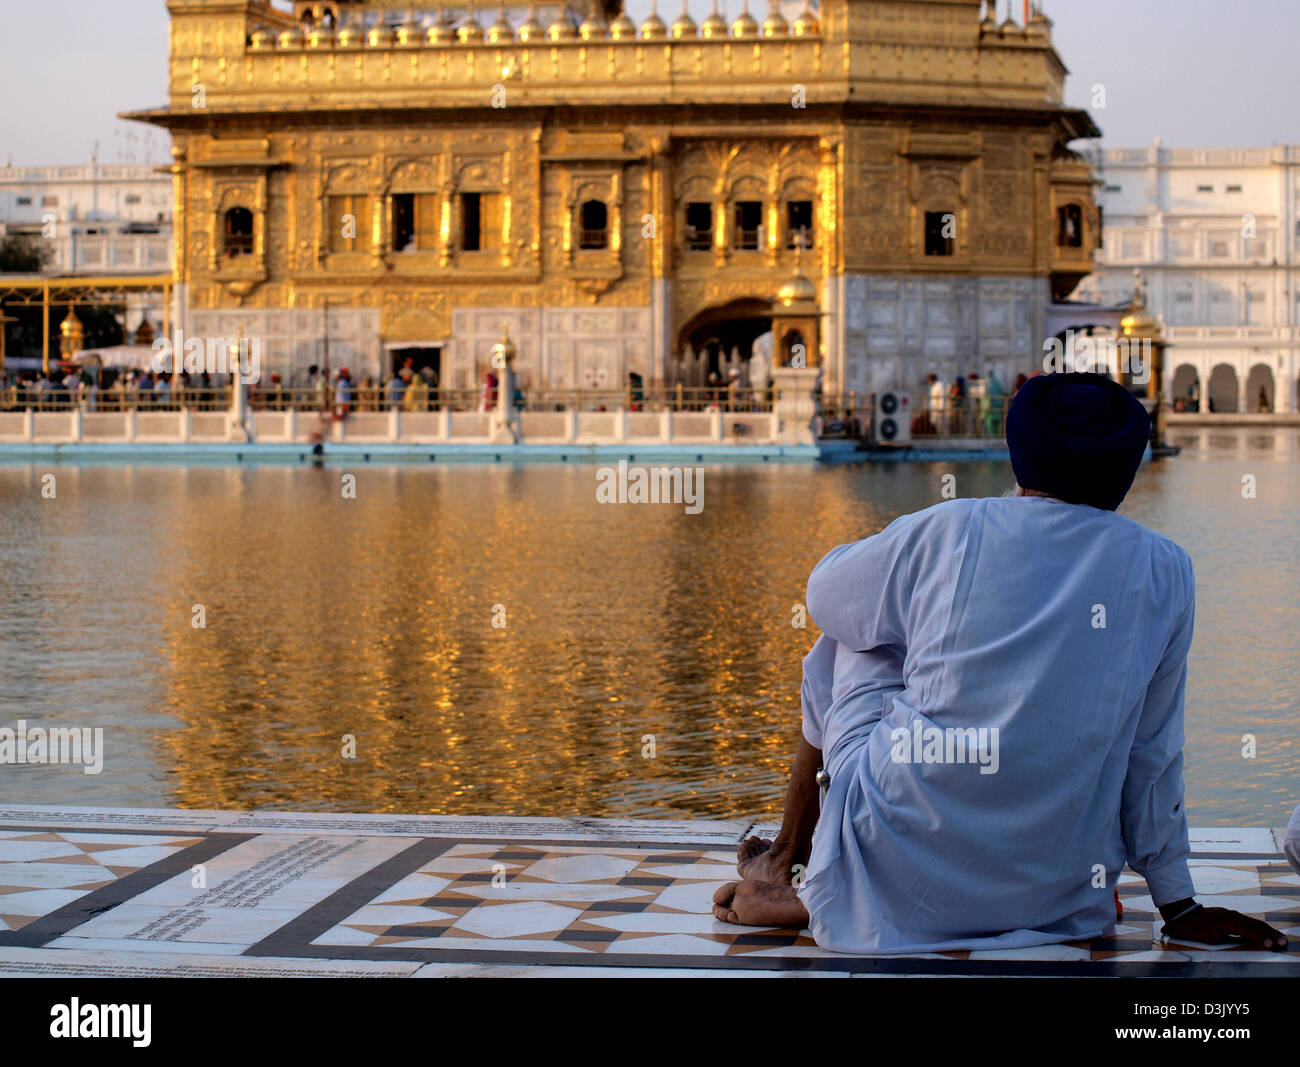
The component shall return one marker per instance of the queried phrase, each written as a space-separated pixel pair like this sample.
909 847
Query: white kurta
1062 627
1291 845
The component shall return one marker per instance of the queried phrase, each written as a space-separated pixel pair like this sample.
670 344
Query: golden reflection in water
373 617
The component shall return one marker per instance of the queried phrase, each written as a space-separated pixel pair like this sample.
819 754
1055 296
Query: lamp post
4 321
503 357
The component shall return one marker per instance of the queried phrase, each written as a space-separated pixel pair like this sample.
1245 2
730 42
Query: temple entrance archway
721 339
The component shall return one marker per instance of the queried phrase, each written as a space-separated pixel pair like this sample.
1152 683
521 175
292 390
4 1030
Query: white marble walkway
123 892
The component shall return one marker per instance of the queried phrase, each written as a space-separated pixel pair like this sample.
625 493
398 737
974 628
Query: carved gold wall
878 112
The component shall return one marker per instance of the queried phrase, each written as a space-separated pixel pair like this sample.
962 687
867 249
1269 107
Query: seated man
998 700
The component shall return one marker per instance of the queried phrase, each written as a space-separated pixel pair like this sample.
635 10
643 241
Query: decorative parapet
247 55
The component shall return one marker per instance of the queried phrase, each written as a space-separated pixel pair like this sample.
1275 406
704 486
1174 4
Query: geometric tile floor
123 892
38 870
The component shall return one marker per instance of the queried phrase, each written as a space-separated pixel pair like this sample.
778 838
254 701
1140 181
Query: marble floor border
294 939
59 922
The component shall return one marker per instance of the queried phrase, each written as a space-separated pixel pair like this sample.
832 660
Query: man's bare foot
759 904
757 860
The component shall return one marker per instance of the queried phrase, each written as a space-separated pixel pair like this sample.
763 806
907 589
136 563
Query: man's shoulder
1161 546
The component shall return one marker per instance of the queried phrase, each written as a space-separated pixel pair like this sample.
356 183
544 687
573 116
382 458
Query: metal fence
847 415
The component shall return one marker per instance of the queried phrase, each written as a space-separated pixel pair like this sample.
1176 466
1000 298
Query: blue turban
1079 437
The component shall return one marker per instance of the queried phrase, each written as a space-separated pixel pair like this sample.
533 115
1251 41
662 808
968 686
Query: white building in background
100 218
1216 235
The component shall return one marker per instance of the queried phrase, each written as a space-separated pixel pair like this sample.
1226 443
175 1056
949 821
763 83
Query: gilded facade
627 198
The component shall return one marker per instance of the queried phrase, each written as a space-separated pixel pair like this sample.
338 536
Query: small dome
653 29
798 290
260 39
442 30
409 34
806 25
1008 26
1138 321
320 37
505 348
622 28
531 30
989 25
775 25
470 31
380 35
290 38
501 32
715 25
745 26
684 25
561 29
593 28
349 36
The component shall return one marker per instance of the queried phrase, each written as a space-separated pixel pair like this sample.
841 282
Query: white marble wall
294 338
900 328
557 348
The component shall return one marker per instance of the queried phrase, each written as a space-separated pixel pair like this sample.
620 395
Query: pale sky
1214 73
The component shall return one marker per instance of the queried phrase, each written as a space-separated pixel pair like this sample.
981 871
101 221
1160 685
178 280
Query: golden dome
320 37
504 350
561 29
442 30
715 25
349 35
380 35
1137 321
593 28
501 31
653 29
622 28
531 29
71 324
409 33
798 290
290 38
684 25
775 25
470 31
745 26
806 25
260 40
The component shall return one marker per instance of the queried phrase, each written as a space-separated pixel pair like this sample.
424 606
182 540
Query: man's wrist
1177 909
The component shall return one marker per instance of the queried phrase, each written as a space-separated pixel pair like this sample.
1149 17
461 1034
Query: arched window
593 225
1069 220
239 232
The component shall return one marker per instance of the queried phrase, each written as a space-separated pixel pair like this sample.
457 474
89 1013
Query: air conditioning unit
892 422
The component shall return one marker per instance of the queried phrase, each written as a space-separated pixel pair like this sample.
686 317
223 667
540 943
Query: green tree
22 254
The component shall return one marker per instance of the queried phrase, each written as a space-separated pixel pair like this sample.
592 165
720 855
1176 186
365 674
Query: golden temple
887 182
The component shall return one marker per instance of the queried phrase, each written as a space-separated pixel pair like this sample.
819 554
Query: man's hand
1220 926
